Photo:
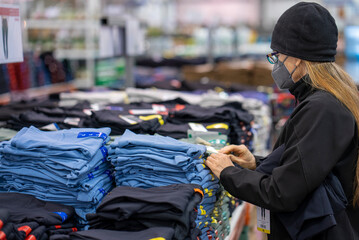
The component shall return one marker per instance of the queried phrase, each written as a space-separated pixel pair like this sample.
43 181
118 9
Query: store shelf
35 92
60 24
255 48
75 54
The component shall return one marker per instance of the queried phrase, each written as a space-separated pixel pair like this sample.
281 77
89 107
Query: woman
319 140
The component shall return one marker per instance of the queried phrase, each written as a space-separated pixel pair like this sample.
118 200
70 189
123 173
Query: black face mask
282 77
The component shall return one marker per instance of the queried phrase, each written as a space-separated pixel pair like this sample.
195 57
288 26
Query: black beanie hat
306 31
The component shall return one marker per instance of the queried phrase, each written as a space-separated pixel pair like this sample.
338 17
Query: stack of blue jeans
151 161
67 166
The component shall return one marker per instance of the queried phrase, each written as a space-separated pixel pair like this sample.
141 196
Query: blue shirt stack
66 166
150 161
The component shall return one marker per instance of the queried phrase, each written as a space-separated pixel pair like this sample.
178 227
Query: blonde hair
330 77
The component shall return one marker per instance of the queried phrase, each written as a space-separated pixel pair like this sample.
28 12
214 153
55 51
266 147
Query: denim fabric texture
66 166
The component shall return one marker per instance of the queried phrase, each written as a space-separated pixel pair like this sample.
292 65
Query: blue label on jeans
90 175
92 134
102 191
62 215
104 152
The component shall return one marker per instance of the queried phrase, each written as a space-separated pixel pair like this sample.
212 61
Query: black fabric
31 115
24 229
169 62
99 234
135 209
4 80
26 208
225 113
315 213
320 137
61 112
61 226
8 232
62 231
4 216
178 131
37 119
231 112
30 218
38 233
16 108
112 119
306 31
59 237
170 105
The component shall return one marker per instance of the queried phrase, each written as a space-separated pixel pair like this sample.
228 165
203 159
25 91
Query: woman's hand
217 162
240 155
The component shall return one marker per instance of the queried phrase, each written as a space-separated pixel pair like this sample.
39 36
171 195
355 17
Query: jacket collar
302 89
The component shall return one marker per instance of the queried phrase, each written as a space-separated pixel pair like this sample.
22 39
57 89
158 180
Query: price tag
263 220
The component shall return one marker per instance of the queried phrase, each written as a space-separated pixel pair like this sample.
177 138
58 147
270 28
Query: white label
159 108
130 119
10 31
72 121
142 111
50 127
87 112
263 220
197 127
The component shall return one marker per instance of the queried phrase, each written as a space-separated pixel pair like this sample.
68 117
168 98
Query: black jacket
319 137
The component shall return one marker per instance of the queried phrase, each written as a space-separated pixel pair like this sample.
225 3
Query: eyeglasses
272 57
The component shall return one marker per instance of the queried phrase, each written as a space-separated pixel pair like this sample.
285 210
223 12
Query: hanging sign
10 34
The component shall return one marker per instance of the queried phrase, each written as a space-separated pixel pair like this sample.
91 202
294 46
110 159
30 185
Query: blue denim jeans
70 143
130 139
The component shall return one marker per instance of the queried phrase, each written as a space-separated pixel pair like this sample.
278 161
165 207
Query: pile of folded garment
23 216
120 122
151 161
67 166
230 119
169 212
47 117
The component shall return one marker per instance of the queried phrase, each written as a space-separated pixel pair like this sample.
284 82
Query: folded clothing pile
120 122
23 217
46 117
152 161
68 166
128 209
230 119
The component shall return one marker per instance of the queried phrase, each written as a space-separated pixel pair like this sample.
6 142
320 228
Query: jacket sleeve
315 138
258 159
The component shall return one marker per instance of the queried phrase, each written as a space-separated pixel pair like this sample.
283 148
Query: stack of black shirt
23 216
129 209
